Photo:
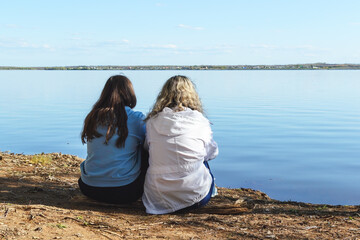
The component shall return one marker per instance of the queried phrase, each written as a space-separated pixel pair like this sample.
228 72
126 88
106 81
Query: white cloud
175 49
22 44
263 46
12 26
81 36
311 55
303 47
111 43
75 38
90 44
355 23
172 46
190 27
157 46
295 47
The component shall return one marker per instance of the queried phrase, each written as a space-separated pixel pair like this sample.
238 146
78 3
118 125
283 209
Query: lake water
294 135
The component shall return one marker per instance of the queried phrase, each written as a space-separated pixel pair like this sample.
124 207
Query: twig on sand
6 212
114 233
104 235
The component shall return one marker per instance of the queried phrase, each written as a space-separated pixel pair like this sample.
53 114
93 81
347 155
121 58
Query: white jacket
178 143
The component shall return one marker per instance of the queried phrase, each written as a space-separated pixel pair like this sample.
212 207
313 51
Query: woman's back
179 142
114 170
107 165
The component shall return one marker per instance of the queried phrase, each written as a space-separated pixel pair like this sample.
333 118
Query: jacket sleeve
211 146
211 149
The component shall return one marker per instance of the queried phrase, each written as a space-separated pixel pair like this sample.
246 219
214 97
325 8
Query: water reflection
292 134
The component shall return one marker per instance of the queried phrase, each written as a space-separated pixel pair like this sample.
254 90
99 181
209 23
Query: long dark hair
109 111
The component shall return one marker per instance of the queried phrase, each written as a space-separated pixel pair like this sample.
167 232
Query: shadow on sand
57 193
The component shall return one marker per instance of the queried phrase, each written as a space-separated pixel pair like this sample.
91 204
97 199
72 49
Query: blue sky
109 32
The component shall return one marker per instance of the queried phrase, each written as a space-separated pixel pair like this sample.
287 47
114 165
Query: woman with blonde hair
180 143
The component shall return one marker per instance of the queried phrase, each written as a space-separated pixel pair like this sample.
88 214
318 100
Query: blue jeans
206 199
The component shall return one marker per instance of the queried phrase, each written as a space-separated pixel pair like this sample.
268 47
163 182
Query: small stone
270 236
310 227
240 201
38 229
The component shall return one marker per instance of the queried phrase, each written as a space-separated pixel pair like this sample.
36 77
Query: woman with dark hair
113 171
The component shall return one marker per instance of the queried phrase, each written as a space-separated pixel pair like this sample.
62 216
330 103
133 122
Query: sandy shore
39 199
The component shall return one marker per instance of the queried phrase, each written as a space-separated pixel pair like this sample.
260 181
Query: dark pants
206 199
119 195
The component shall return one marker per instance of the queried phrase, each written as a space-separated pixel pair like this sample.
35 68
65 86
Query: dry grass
41 159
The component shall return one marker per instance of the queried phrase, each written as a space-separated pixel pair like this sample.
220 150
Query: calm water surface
293 134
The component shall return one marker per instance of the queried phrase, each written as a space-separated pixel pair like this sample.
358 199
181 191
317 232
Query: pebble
239 201
270 236
310 227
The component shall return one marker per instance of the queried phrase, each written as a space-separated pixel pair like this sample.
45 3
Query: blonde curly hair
177 93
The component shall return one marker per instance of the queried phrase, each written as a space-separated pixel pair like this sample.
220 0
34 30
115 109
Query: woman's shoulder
187 116
186 113
195 114
134 114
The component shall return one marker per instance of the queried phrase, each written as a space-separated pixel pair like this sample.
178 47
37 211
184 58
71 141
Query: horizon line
177 65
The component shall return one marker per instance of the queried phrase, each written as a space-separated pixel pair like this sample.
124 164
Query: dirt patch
41 200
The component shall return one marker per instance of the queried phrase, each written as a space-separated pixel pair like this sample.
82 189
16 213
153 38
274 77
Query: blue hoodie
110 166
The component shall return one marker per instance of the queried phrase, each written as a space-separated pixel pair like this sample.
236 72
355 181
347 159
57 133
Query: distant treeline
315 66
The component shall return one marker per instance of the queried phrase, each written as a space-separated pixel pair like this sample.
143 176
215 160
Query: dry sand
42 201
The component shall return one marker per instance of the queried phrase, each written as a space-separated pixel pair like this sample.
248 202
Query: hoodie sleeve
211 149
141 127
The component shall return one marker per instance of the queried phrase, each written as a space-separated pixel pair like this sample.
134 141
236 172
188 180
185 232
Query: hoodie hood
171 123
